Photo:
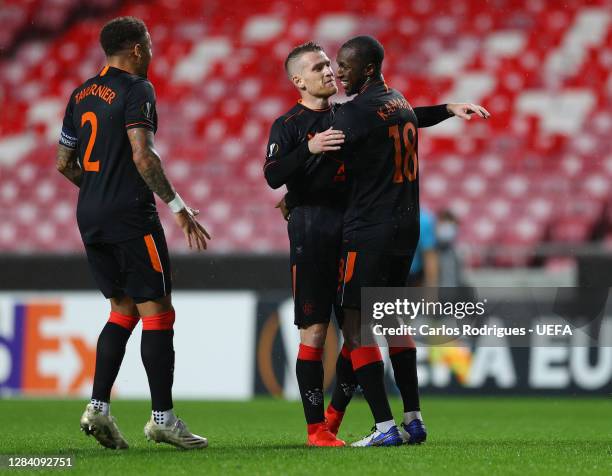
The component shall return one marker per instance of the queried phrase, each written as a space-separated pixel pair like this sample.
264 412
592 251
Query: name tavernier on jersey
115 203
310 179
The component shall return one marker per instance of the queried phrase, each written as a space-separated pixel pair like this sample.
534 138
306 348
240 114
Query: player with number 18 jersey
381 222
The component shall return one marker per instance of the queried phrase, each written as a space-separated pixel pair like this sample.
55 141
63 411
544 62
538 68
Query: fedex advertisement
48 345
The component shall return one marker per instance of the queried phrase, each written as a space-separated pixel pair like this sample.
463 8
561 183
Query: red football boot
333 418
319 435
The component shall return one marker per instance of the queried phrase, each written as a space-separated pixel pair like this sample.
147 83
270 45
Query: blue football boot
414 433
378 438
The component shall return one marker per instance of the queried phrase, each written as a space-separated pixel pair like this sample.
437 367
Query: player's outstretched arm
428 116
464 110
149 166
68 165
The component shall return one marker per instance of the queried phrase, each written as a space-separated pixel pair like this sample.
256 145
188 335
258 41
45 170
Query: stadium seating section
539 171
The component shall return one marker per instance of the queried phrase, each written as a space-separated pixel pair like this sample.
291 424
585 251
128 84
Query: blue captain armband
67 140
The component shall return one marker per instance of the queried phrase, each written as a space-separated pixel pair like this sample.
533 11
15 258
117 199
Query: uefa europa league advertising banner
560 341
236 344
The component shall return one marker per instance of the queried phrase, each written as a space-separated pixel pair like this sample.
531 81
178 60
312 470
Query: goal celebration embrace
351 172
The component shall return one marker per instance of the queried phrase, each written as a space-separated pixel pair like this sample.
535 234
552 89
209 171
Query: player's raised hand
195 233
325 141
464 110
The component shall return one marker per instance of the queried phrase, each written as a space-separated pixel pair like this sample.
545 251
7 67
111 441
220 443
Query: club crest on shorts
308 308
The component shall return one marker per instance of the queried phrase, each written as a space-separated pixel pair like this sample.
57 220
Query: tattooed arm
150 168
68 165
149 164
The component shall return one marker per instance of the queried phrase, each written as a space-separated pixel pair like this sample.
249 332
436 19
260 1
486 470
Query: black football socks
309 372
109 354
346 381
370 373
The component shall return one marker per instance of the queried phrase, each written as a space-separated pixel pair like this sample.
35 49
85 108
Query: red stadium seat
525 176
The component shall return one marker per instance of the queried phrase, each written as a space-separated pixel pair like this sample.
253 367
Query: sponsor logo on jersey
340 173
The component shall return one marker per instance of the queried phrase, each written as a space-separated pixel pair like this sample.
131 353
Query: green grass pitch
489 436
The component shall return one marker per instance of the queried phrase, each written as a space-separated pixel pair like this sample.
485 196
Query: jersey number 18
404 141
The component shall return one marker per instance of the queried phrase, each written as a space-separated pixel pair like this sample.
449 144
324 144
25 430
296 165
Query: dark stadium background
531 187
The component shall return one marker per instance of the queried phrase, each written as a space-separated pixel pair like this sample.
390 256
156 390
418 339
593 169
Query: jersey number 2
89 166
407 141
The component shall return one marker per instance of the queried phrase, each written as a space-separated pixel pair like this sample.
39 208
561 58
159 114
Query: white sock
101 406
409 416
166 417
385 426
